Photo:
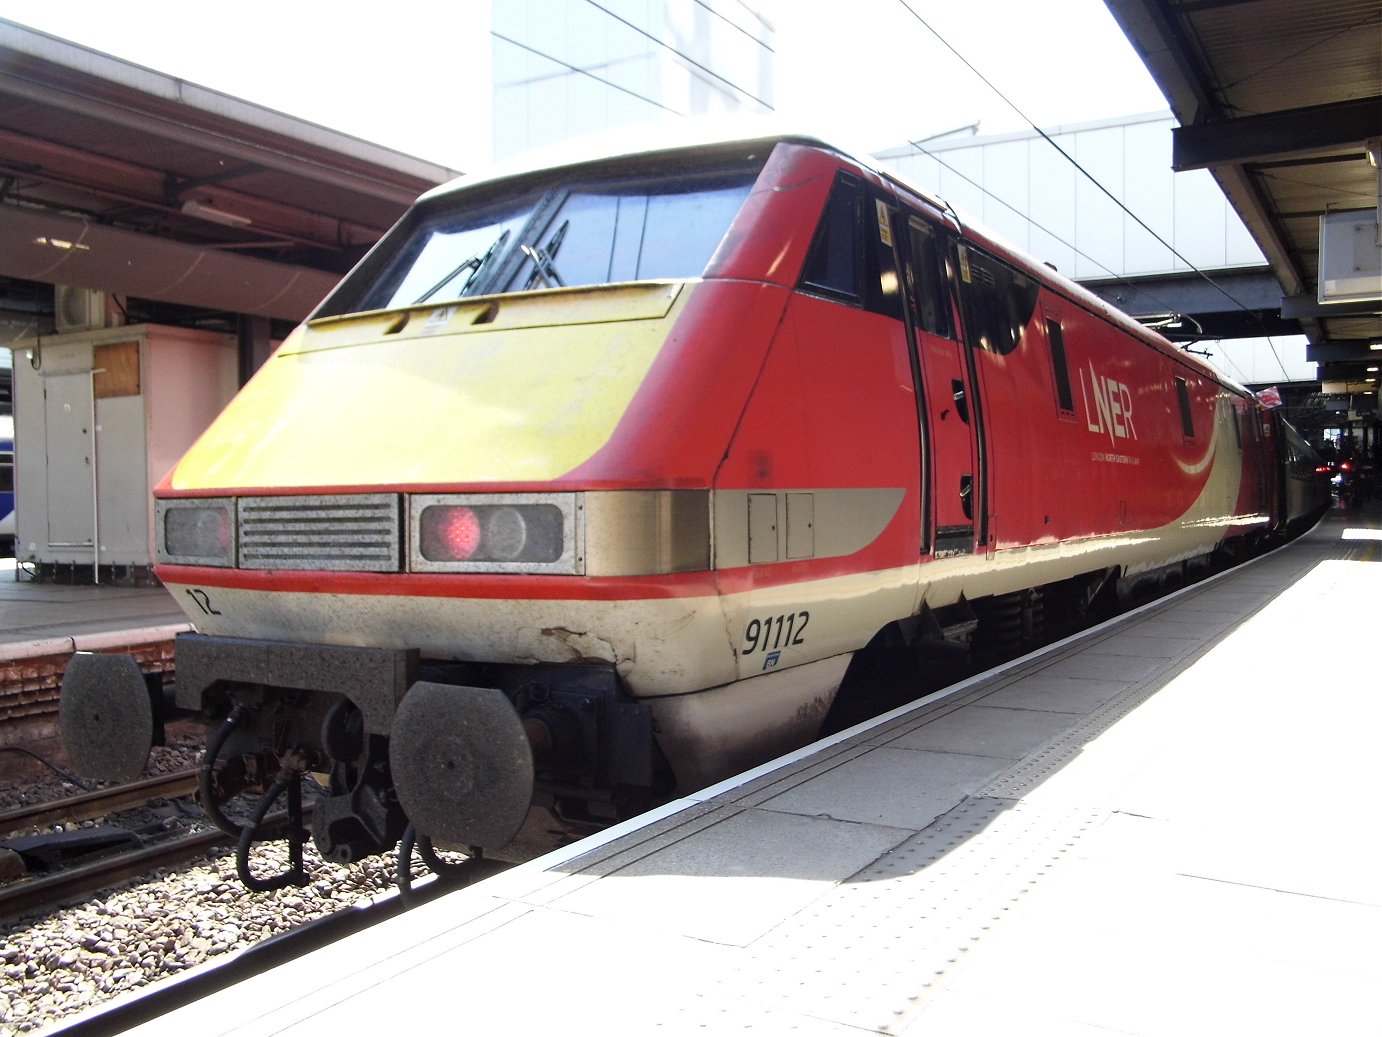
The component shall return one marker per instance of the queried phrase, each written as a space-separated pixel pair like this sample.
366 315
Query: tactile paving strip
1032 770
1036 767
869 952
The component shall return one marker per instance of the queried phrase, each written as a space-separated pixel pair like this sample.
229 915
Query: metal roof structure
1281 101
118 178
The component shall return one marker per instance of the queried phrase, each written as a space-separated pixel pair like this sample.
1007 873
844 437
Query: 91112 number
765 635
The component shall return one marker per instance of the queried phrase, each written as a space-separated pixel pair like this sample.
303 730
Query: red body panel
834 408
1108 466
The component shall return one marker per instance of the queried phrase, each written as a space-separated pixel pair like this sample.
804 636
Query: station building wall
563 70
1019 185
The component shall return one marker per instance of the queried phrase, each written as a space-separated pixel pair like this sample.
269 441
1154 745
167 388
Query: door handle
957 392
967 496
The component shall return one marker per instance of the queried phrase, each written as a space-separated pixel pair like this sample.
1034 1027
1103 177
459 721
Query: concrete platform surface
38 612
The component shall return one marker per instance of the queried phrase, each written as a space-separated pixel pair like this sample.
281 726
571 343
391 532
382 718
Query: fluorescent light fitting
208 212
66 246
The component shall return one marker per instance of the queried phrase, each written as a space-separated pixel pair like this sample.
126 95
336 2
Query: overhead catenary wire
1242 375
691 63
749 11
680 54
585 72
1094 180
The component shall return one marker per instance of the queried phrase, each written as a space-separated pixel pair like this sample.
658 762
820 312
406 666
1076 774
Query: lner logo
1112 410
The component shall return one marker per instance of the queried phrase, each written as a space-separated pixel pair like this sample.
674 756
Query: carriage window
1056 337
929 281
998 301
1187 421
833 265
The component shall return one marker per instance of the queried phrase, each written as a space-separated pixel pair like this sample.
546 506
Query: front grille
347 532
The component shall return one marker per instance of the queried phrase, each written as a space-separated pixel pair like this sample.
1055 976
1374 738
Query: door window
929 281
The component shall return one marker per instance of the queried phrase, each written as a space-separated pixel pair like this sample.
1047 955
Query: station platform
32 612
42 624
1161 826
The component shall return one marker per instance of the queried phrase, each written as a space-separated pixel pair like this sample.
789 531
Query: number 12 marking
775 632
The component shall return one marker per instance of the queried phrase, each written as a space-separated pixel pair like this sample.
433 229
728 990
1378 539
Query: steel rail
69 884
87 805
35 895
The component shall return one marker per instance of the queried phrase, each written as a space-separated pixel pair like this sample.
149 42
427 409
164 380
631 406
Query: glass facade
565 68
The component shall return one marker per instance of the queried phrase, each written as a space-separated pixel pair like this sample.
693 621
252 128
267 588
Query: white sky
1059 61
863 71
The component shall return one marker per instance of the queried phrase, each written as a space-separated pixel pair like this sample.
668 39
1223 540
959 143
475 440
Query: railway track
45 892
66 884
88 805
97 936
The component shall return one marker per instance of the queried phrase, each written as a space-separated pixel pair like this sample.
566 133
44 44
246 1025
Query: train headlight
196 532
496 533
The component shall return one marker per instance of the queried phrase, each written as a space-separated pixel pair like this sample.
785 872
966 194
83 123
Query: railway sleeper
49 850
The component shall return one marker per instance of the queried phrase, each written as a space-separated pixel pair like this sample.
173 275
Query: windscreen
656 225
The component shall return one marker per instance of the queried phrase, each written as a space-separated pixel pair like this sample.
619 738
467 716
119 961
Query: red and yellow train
588 483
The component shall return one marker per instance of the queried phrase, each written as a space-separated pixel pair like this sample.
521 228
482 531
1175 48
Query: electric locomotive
657 443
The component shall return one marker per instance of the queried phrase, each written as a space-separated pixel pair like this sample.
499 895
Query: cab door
950 400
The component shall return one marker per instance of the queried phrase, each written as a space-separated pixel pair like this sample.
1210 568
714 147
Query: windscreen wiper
543 270
474 264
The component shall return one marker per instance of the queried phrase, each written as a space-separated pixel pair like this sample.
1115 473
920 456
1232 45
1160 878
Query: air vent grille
359 533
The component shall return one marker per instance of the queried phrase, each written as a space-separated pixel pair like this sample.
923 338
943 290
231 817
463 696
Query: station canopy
120 179
1281 100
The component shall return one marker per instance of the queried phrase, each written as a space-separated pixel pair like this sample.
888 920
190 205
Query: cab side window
851 258
833 266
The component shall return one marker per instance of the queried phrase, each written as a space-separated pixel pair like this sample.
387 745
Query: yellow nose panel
523 389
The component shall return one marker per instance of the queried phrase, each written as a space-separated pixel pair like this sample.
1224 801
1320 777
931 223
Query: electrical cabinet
100 418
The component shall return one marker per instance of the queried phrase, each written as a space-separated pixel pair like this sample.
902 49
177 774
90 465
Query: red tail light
450 534
520 533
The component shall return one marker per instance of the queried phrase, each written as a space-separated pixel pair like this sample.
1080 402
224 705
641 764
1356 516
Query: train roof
641 141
